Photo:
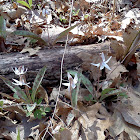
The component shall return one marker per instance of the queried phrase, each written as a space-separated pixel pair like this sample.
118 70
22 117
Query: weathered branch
49 57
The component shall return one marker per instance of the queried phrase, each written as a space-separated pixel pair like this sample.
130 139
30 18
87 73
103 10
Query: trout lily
19 71
72 82
20 83
103 64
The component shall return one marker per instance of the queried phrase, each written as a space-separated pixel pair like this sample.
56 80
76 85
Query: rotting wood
49 57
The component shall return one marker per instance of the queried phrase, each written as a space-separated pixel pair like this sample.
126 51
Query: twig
61 73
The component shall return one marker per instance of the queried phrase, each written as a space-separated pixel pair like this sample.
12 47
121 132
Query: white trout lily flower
20 83
72 82
103 64
20 70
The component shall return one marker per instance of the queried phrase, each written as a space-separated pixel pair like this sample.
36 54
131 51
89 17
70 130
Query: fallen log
49 57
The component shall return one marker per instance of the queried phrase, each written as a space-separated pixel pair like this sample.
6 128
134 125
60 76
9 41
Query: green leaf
84 80
2 27
18 135
107 90
48 109
37 82
64 33
24 4
76 91
123 94
16 89
89 97
43 114
37 114
30 3
28 34
30 108
62 129
39 100
111 91
28 114
1 103
87 83
16 96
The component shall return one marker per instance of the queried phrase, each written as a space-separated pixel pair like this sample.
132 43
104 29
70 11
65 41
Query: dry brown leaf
120 125
92 128
118 48
54 94
63 111
7 105
31 50
131 110
129 36
116 69
42 93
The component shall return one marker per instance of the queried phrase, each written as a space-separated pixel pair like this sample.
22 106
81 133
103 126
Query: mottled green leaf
48 109
87 83
37 82
28 114
75 91
2 27
24 4
39 100
29 34
84 80
37 114
107 90
16 89
30 2
30 108
89 97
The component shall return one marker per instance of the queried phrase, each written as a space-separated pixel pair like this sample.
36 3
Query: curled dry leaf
120 125
92 128
130 109
116 69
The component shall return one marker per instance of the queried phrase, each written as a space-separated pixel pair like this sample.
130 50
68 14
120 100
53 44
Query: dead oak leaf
92 128
116 69
31 50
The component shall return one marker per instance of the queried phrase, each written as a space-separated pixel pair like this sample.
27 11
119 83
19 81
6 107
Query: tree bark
49 57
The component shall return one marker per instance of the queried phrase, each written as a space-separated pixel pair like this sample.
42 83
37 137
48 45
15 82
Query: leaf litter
87 114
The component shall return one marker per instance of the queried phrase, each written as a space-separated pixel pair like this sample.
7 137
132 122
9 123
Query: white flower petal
73 85
107 66
108 59
97 65
16 81
102 66
103 56
20 70
20 83
66 84
75 80
69 76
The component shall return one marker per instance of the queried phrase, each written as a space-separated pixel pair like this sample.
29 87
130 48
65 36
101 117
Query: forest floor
91 90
